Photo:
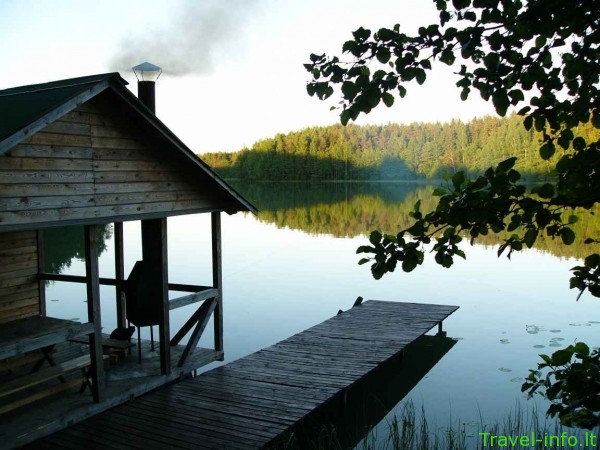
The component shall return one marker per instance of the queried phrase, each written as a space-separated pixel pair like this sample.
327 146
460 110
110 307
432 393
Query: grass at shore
410 430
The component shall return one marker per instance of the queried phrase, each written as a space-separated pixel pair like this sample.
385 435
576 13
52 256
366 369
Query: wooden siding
93 166
19 288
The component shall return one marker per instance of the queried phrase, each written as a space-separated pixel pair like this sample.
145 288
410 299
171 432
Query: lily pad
554 331
504 341
504 369
539 346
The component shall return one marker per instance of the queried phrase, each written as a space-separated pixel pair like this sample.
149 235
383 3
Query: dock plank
248 403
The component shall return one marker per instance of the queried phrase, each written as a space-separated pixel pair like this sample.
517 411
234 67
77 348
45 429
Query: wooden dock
255 400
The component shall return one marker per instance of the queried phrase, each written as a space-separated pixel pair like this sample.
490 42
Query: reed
409 429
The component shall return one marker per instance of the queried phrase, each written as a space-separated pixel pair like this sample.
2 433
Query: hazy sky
233 68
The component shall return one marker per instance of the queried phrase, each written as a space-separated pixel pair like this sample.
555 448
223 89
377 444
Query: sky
233 69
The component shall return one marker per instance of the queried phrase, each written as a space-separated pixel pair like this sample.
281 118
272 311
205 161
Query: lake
295 265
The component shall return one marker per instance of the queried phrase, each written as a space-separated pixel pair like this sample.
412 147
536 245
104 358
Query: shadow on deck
126 378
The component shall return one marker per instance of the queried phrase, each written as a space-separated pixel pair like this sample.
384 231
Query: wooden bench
33 379
10 364
113 347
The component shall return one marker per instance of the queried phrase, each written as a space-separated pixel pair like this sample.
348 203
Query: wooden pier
255 400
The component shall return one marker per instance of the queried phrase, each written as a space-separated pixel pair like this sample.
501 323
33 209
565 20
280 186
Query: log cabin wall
95 165
19 288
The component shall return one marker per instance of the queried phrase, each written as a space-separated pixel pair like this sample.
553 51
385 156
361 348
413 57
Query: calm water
295 265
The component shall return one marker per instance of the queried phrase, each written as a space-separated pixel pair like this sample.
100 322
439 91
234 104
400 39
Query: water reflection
345 420
62 245
353 209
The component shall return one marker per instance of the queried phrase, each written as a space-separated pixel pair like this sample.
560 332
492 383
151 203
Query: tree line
391 152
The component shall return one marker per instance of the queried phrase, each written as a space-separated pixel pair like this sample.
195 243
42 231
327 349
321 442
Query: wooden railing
208 295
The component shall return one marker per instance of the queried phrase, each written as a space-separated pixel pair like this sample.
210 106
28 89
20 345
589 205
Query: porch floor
124 381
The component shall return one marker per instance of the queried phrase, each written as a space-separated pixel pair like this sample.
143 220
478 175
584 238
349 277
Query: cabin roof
27 109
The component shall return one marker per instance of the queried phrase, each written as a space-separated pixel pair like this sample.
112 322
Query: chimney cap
147 71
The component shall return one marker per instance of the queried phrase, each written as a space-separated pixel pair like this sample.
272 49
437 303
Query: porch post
93 306
154 251
41 269
217 278
119 274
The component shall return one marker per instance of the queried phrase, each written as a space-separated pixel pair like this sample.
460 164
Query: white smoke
200 30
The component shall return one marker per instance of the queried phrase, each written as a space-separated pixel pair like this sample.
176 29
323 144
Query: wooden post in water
92 277
41 269
154 251
217 278
119 274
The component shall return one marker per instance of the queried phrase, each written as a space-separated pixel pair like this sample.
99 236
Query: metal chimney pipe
147 74
147 94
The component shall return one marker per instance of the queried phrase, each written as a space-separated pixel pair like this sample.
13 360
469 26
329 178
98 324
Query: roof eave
53 115
135 103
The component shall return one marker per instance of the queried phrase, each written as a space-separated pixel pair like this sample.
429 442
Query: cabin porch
55 372
61 403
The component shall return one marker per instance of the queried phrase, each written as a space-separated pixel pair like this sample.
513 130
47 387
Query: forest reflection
354 209
62 245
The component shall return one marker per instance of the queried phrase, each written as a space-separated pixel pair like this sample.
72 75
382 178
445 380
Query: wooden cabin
86 151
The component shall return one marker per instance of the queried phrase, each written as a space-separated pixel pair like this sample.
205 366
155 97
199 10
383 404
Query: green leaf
447 57
461 4
388 99
458 179
409 263
561 357
439 191
596 119
539 122
383 55
582 349
530 237
375 237
579 144
365 249
506 165
420 75
349 89
348 46
516 96
363 261
543 218
540 41
401 91
567 235
345 116
547 150
470 16
361 34
545 191
501 102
